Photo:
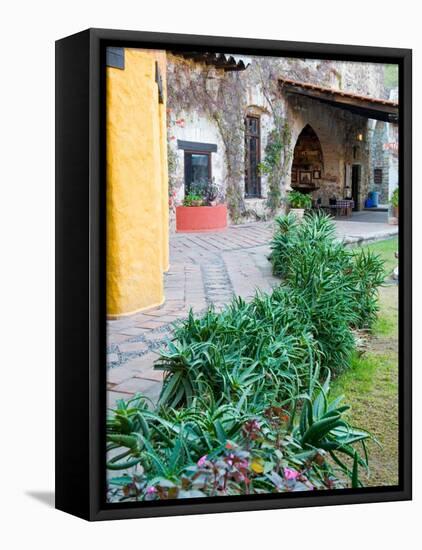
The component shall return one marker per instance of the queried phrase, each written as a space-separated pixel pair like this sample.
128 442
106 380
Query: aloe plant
242 386
308 258
368 275
262 348
215 448
323 426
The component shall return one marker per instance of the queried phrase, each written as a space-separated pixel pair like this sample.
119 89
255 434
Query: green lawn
386 249
371 384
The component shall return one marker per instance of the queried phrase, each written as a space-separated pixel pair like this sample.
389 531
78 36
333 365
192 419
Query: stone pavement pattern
205 269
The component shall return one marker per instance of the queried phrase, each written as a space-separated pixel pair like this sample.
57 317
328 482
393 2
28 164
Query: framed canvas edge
95 509
72 272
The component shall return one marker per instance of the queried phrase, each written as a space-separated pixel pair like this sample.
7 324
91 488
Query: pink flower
290 474
202 461
151 490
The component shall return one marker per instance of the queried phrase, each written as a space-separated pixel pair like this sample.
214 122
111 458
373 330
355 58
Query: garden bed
245 406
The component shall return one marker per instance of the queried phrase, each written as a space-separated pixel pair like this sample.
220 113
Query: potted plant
298 202
395 202
202 209
193 199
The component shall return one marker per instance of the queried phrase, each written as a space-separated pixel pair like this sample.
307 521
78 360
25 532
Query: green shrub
259 350
265 350
242 410
313 266
339 284
395 197
193 199
296 199
292 235
214 449
368 275
203 193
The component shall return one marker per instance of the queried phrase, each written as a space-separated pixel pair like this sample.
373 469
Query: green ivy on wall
221 98
276 161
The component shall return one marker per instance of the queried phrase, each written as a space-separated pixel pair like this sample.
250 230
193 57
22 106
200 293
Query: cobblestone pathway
205 269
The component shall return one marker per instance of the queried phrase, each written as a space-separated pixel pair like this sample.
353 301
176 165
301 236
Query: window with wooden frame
378 176
197 169
252 156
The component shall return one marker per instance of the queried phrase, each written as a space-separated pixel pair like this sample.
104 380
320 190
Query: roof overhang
228 62
368 107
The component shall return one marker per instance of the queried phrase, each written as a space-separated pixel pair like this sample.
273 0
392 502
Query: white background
28 32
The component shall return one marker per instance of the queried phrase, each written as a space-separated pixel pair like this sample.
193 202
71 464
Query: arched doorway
307 163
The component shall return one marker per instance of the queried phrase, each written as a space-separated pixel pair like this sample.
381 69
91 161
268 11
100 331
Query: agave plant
242 407
127 429
262 348
336 287
217 448
322 426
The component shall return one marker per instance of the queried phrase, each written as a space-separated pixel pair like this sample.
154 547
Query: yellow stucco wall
137 184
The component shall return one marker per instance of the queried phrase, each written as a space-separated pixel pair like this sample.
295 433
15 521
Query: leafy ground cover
246 406
371 383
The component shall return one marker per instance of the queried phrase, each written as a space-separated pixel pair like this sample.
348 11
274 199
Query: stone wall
393 165
384 155
359 78
379 160
344 137
338 132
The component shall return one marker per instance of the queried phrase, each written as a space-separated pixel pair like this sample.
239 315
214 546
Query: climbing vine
221 97
276 162
172 170
278 151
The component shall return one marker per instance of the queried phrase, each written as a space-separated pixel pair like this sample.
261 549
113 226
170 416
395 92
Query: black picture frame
80 272
303 179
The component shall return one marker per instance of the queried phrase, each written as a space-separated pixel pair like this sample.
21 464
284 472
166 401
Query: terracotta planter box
201 218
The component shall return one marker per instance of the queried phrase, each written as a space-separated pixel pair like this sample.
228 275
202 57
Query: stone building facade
383 139
223 119
257 126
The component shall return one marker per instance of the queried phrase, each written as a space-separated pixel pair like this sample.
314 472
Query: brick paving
205 269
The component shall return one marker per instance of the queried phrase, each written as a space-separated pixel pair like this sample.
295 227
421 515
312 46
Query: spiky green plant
309 258
275 448
262 349
256 364
368 275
